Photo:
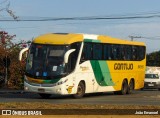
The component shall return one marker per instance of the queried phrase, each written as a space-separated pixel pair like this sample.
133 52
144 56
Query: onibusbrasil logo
21 112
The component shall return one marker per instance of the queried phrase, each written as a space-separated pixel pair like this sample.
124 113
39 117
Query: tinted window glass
134 53
97 51
128 52
87 51
105 51
141 54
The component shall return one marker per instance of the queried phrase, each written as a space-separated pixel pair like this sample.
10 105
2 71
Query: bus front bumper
152 85
37 88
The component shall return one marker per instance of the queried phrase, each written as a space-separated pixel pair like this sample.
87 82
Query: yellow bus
76 64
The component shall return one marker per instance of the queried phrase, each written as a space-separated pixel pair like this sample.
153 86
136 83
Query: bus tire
130 87
123 90
124 87
80 91
44 95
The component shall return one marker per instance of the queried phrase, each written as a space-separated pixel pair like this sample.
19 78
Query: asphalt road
145 97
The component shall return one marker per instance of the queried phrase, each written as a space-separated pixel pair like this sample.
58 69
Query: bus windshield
46 61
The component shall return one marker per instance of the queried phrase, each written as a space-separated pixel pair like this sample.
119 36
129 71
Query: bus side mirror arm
21 53
66 56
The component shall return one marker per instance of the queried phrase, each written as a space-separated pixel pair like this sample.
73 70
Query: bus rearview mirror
66 56
21 53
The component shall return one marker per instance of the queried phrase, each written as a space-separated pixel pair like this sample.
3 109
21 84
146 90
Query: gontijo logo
123 66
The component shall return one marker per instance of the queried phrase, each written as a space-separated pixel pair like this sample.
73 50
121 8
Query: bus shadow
90 95
99 94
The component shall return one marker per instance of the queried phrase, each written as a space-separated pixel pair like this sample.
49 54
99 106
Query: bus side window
134 53
74 55
141 52
122 57
97 51
128 52
114 52
106 51
86 53
118 52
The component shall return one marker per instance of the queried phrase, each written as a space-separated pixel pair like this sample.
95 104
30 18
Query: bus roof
68 38
58 38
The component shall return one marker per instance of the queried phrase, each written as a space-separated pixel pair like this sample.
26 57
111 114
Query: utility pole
132 37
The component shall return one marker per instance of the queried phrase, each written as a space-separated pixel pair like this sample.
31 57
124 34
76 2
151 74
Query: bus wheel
123 90
80 90
124 87
130 87
44 95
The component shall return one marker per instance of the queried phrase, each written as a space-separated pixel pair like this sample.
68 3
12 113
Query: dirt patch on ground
44 105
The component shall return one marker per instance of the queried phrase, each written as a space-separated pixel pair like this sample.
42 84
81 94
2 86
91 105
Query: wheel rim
124 88
131 86
80 90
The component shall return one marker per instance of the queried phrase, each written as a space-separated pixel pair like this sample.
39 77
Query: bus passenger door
85 72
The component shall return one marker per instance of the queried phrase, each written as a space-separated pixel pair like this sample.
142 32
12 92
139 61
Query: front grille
150 82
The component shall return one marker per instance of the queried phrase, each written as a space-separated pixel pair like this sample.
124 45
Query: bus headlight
61 82
26 88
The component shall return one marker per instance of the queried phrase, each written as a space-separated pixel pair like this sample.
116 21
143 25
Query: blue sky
81 8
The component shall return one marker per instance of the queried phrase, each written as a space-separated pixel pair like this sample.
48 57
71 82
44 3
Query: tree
10 51
153 59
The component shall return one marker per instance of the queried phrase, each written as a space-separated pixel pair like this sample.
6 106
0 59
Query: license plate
150 84
41 90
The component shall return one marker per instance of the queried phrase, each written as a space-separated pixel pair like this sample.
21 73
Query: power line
146 16
150 38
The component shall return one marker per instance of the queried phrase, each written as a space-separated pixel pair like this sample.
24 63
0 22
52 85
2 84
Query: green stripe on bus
51 81
91 40
102 73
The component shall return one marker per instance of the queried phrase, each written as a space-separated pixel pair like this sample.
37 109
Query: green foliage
16 68
153 59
